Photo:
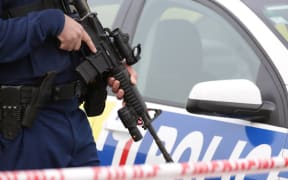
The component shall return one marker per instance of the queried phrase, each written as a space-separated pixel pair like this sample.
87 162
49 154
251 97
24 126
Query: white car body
198 137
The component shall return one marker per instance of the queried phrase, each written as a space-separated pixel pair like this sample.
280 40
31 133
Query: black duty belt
19 104
23 94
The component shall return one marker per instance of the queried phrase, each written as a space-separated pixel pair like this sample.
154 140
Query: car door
185 42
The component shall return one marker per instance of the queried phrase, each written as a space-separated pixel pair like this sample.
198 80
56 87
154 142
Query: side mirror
236 98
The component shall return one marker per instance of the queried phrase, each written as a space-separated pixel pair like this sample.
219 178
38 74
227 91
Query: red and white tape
160 171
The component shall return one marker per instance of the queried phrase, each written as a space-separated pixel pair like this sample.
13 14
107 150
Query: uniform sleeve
19 36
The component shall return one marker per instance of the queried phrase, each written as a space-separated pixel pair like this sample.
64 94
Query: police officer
60 135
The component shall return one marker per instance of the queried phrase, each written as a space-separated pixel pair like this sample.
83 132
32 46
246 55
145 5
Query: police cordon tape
160 171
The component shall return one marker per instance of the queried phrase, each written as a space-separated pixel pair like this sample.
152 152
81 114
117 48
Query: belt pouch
10 122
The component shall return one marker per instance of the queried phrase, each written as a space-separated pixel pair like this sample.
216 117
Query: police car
217 70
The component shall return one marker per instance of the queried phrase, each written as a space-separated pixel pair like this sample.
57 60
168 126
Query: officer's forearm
26 33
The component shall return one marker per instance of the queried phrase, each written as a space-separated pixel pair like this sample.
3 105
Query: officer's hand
72 36
115 84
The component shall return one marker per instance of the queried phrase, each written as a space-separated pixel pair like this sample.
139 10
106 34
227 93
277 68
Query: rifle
112 48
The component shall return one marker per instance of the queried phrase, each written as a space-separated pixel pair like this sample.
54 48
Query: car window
274 15
183 43
106 10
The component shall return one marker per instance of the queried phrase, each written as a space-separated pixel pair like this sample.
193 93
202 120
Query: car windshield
275 15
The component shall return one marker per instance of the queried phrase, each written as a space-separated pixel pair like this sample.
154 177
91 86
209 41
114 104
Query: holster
19 105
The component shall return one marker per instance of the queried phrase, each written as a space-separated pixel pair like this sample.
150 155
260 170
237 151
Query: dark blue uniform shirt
60 135
28 49
28 46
